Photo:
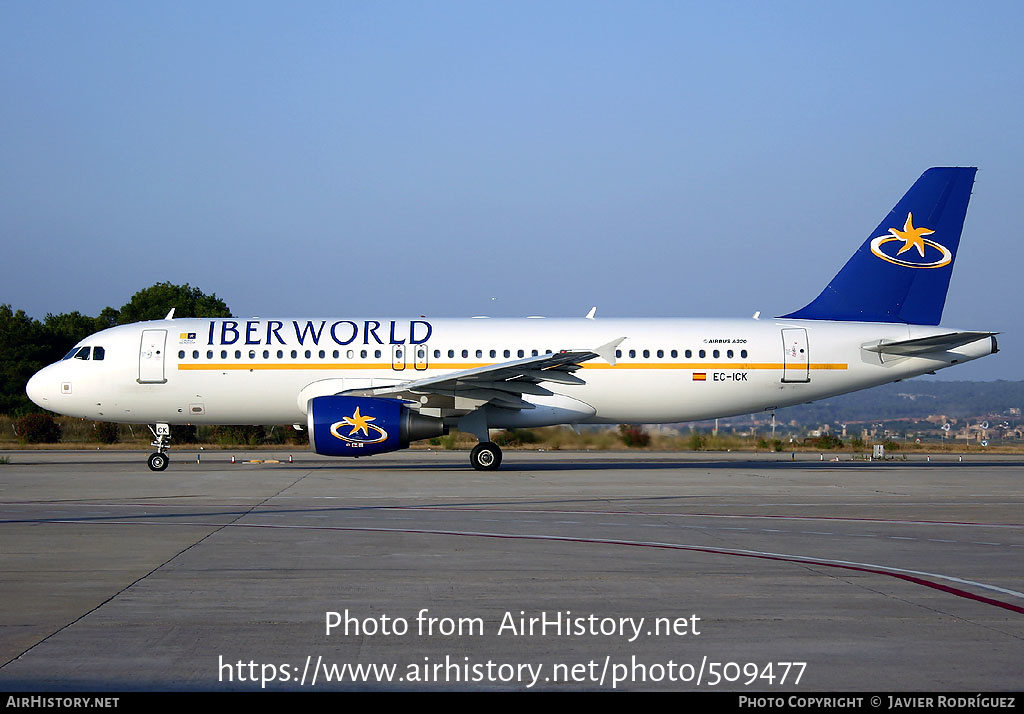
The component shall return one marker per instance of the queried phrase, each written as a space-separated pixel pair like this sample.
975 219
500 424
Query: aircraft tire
486 456
158 461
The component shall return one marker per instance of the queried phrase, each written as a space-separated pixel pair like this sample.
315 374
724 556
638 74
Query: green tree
153 303
634 436
38 429
108 318
107 432
25 348
827 441
66 329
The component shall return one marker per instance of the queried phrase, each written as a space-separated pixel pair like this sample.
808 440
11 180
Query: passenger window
689 354
266 354
493 353
437 354
322 354
743 354
308 354
376 353
181 355
451 353
195 354
618 353
209 354
223 354
729 354
465 353
294 354
632 353
252 354
351 353
534 353
363 353
238 354
507 353
479 353
280 354
520 353
647 353
702 354
661 353
715 354
675 353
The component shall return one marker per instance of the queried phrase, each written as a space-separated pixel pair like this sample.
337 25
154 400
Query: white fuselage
259 371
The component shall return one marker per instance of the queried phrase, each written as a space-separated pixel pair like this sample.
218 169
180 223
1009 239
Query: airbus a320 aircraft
369 386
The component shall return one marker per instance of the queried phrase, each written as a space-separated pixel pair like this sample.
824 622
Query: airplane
369 386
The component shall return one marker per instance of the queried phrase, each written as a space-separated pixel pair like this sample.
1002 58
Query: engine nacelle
362 426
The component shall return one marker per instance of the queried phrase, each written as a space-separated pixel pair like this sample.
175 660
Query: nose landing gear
159 460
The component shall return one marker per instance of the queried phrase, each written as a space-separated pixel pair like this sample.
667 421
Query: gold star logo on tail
911 237
929 253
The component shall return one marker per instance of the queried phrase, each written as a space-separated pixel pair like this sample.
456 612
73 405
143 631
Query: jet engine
341 425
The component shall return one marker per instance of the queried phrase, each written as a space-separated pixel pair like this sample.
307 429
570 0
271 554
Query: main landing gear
485 456
159 460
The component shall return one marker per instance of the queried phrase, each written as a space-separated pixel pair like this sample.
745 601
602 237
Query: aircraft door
398 357
796 360
421 355
151 357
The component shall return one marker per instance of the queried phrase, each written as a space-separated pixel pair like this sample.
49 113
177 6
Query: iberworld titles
339 332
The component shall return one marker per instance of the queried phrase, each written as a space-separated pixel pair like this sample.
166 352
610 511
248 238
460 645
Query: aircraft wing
502 384
923 345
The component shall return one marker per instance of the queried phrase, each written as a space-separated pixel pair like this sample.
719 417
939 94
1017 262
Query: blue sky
446 159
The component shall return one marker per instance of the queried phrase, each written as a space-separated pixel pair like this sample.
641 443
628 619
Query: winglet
170 315
593 311
607 351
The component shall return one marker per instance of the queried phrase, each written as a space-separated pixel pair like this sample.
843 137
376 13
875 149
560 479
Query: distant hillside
914 399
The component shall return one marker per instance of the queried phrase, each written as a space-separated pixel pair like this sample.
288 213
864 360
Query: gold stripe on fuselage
720 366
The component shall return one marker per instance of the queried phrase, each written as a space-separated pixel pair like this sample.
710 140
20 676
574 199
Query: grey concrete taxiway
561 570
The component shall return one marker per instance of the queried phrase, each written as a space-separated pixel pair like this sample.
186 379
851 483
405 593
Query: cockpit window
84 353
70 354
98 353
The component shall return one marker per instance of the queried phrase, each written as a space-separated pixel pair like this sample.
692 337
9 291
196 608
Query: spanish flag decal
700 376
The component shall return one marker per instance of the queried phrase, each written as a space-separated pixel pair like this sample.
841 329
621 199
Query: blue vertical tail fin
901 272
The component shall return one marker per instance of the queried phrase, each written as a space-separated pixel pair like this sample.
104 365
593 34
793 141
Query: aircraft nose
37 390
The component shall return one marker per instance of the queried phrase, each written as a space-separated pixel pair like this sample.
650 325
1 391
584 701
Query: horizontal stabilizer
935 343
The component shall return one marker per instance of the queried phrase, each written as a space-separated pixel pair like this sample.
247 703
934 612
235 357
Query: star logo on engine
359 423
360 431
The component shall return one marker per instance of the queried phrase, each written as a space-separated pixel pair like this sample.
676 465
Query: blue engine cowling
362 426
